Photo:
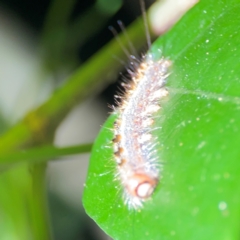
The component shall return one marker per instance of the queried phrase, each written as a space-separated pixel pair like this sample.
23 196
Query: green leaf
198 195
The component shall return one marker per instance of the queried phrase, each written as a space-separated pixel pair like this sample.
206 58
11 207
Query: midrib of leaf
209 95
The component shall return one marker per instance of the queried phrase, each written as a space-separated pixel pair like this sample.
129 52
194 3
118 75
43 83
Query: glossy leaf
198 196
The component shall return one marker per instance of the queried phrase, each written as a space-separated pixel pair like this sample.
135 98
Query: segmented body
137 167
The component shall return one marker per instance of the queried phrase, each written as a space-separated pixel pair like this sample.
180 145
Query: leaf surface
199 136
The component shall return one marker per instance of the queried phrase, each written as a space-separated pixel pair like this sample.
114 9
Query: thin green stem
41 154
38 201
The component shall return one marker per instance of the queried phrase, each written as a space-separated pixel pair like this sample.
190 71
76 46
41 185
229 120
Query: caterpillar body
137 166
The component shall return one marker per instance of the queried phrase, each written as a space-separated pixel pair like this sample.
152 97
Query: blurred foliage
63 36
26 146
198 130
